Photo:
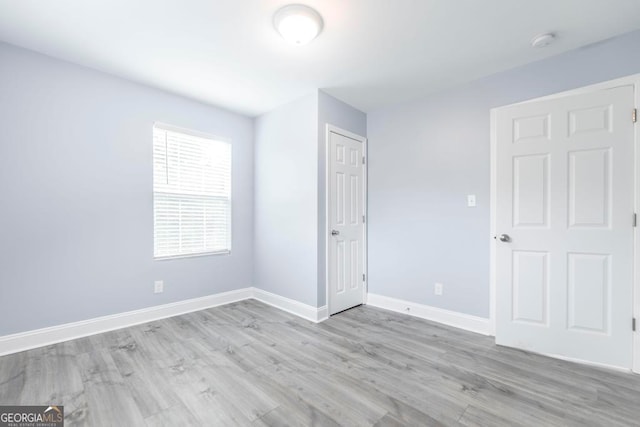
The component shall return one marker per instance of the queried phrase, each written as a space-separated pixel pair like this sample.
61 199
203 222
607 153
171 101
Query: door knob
334 232
505 238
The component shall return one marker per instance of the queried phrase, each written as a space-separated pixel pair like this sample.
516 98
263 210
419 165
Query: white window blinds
191 193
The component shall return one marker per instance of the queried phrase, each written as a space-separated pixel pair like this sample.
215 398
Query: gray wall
286 200
76 236
335 112
290 206
76 189
425 156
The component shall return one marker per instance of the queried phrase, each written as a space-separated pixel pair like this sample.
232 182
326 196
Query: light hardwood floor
251 364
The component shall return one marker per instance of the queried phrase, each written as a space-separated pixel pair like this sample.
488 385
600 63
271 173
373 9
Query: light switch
471 200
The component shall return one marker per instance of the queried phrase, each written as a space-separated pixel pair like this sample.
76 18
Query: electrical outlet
438 289
158 287
471 200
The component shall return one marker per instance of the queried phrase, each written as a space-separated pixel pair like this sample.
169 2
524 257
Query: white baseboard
42 337
323 313
305 311
15 343
467 322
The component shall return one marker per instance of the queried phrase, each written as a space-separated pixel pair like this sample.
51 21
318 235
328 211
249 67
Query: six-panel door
565 198
345 221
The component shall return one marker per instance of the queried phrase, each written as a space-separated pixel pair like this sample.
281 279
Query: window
191 193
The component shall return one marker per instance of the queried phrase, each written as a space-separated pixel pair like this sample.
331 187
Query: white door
564 224
346 228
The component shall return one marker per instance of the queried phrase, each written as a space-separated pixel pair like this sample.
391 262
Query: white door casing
564 184
346 209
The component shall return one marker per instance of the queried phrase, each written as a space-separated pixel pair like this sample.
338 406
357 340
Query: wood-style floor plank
249 364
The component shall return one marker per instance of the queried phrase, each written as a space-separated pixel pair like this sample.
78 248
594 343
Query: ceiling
371 53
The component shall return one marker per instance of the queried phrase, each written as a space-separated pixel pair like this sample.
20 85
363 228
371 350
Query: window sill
198 255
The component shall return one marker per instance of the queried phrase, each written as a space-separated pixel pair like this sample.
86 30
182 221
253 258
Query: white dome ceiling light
543 40
298 24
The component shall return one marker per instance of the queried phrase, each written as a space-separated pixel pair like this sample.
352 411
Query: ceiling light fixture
543 40
298 24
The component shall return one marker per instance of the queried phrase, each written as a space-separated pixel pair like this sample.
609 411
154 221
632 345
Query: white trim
22 341
192 132
633 80
609 84
343 132
467 322
636 236
193 255
365 207
365 224
493 200
55 334
176 129
289 305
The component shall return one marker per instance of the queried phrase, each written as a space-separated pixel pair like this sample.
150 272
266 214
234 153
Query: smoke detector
543 40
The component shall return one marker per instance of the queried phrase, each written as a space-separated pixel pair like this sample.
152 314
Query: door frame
623 81
327 194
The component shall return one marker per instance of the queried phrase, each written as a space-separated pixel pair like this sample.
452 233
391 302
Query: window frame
197 134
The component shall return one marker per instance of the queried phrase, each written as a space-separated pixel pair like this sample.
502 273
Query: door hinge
633 324
363 219
364 278
363 161
635 220
634 115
